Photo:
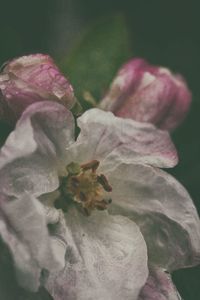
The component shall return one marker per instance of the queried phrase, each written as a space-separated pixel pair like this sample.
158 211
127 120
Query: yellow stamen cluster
84 186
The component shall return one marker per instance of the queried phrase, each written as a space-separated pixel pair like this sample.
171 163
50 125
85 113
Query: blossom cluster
95 216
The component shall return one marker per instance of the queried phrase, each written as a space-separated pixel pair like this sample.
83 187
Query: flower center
83 185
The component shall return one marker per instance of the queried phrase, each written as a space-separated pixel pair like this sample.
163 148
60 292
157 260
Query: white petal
106 259
27 271
163 210
30 157
159 286
106 137
23 228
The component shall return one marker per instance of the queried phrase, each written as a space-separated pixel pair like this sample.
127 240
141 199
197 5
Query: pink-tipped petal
159 286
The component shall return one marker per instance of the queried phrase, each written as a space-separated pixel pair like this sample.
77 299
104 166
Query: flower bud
29 79
147 93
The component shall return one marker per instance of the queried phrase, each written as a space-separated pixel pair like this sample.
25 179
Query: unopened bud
29 79
150 94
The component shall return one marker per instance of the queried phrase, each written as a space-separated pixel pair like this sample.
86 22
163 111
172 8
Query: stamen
85 187
108 201
104 182
101 206
91 165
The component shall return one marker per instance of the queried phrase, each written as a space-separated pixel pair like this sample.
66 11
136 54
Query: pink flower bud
29 79
147 93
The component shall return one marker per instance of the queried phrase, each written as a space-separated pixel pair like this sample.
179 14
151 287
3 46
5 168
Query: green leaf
97 57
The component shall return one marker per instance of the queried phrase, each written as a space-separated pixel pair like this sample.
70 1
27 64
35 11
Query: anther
83 197
108 201
101 207
91 165
104 182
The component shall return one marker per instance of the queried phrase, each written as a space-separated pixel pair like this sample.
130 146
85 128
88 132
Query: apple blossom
29 79
148 93
56 213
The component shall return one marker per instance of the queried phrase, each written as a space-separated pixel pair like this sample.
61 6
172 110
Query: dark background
164 32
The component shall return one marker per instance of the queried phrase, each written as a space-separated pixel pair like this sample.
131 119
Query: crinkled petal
23 227
35 150
159 286
113 140
163 210
106 258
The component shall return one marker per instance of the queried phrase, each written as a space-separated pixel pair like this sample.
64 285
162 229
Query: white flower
103 255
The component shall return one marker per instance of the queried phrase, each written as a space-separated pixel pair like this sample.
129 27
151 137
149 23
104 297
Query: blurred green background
90 39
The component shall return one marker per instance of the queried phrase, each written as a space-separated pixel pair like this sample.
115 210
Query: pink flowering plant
148 93
86 210
31 79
